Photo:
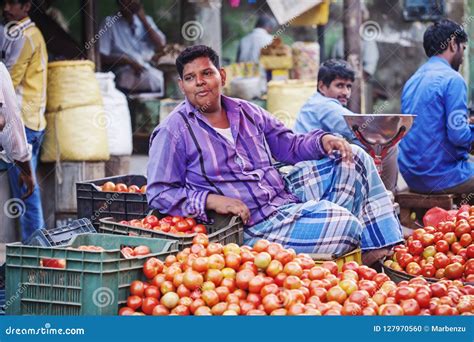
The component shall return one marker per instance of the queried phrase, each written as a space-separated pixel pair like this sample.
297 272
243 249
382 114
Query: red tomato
134 302
120 187
454 271
133 188
191 222
141 250
152 220
152 291
152 267
149 304
126 311
182 226
200 228
137 288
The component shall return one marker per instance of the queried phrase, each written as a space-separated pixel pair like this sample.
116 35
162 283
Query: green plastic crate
224 229
92 283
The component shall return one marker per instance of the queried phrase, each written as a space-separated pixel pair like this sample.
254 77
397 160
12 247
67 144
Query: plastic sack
119 125
285 99
245 88
72 84
305 60
76 134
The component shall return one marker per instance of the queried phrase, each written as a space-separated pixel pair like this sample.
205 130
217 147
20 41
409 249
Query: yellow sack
285 99
76 134
72 84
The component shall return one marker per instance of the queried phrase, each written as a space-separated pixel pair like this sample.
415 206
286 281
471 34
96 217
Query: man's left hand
332 143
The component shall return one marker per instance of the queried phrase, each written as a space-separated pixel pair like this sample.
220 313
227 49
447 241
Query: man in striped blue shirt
215 153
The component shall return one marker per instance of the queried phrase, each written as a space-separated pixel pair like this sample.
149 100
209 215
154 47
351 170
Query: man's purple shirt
188 160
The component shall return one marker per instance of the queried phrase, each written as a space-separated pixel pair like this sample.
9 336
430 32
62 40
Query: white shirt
226 133
13 143
251 44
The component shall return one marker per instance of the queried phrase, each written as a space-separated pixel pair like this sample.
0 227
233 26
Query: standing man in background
251 44
24 52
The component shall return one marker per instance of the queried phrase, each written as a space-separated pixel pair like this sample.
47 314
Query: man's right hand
26 178
137 67
226 205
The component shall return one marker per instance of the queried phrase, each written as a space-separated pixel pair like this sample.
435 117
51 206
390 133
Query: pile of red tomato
211 279
444 251
170 224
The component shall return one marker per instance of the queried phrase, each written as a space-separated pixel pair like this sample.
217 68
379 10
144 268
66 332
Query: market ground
138 164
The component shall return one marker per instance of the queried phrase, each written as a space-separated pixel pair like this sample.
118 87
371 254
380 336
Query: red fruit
410 307
390 310
465 240
413 268
404 259
428 271
350 265
243 278
126 311
470 252
454 271
336 294
261 246
368 273
423 298
440 260
442 246
415 247
404 293
439 290
134 302
331 266
351 309
149 304
137 288
360 297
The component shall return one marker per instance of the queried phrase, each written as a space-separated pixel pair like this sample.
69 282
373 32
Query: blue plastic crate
60 236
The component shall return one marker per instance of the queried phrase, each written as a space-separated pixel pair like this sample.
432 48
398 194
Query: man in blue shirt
325 109
434 156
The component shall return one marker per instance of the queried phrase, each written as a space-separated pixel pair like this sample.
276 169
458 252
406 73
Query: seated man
215 153
128 42
434 156
325 109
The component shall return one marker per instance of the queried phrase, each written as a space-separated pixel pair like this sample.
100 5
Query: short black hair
193 52
335 68
21 2
438 35
265 21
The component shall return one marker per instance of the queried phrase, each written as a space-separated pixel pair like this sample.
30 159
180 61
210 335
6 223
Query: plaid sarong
344 206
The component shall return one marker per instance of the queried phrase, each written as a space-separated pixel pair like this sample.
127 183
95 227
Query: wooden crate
9 231
117 165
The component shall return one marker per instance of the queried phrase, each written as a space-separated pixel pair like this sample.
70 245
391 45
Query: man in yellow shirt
24 53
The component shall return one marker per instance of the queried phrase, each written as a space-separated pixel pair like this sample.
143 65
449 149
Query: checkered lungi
344 206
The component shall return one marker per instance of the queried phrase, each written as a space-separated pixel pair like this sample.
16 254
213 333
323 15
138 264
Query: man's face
14 11
339 89
202 84
129 7
458 57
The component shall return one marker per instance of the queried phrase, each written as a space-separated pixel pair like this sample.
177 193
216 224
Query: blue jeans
32 219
